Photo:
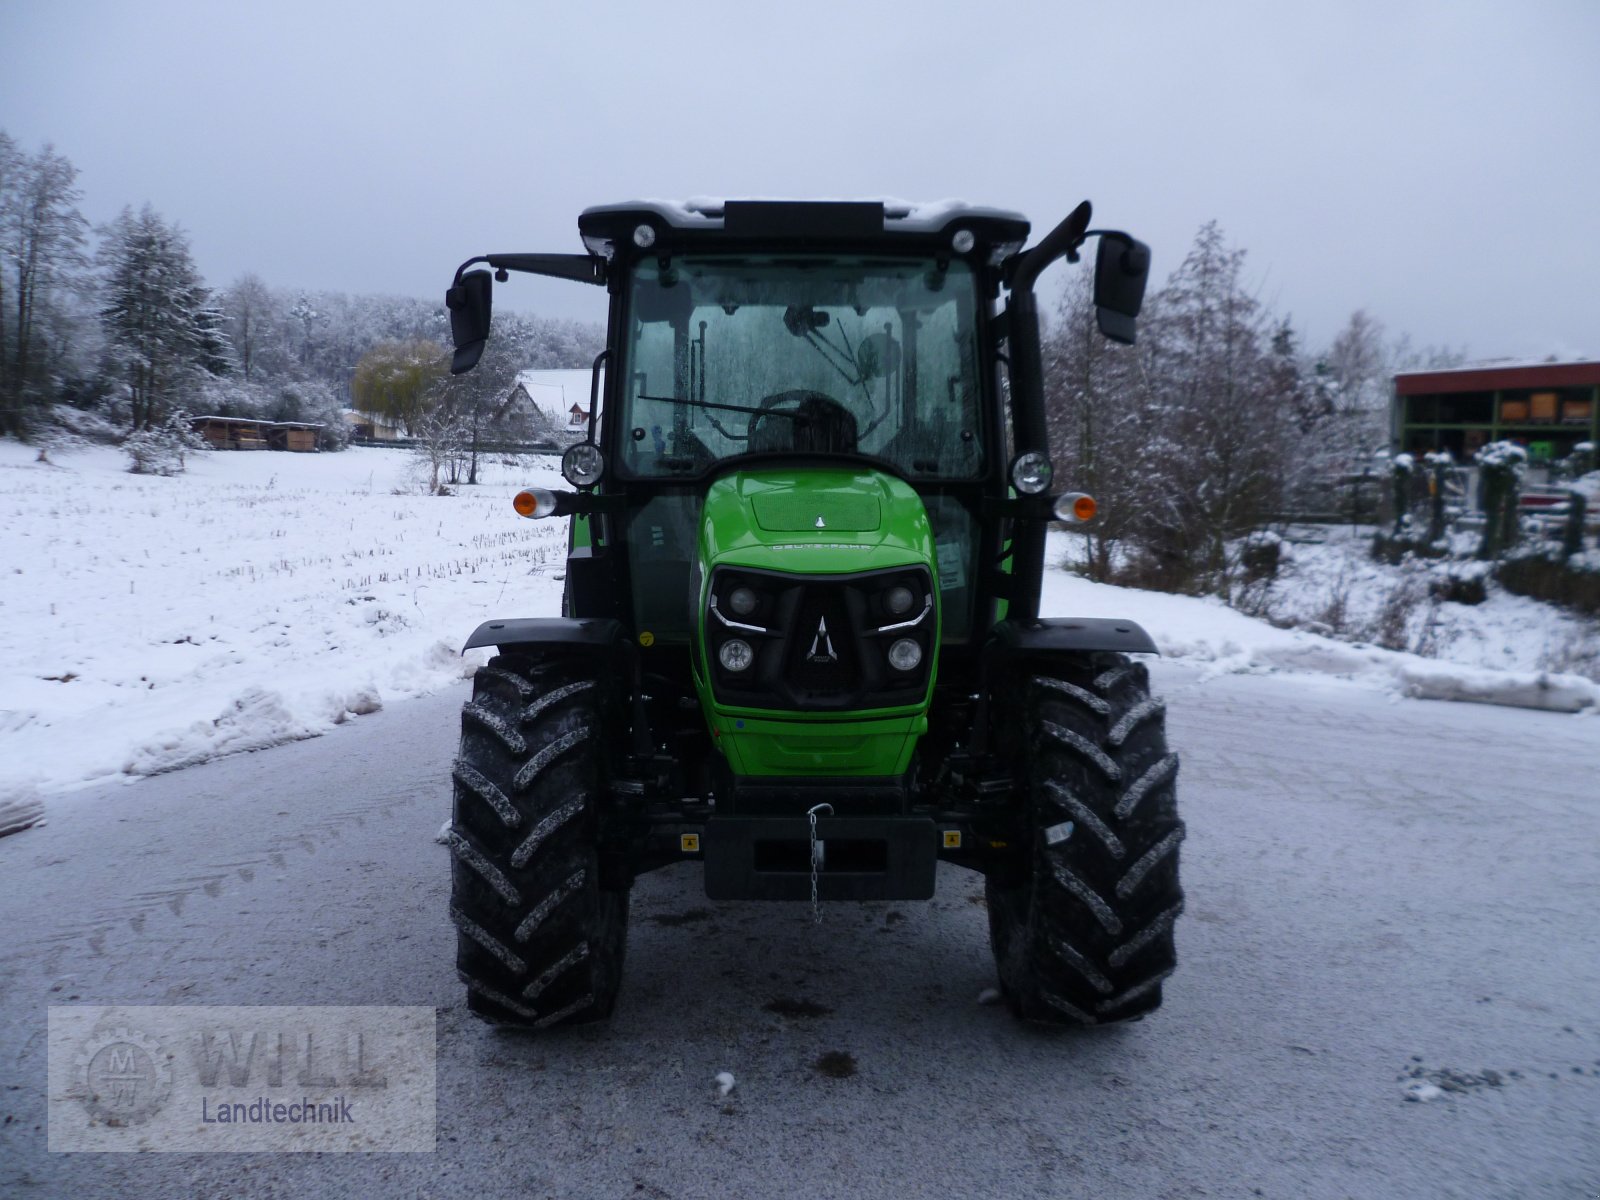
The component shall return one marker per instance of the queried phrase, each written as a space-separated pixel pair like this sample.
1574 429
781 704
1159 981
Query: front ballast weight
801 644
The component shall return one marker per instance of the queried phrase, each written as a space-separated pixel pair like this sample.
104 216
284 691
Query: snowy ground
1383 898
152 623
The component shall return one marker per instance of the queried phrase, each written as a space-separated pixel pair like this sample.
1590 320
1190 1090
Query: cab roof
707 223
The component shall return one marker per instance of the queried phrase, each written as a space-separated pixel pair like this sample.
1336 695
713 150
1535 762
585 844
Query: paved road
1375 888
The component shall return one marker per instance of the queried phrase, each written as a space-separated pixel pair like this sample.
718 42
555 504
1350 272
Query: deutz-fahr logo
822 645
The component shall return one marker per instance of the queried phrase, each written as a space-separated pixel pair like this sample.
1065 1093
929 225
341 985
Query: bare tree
41 245
1097 413
249 315
440 444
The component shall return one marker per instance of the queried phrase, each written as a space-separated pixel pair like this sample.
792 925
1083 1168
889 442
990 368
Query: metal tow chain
816 857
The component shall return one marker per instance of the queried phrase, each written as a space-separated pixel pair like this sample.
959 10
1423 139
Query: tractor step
862 858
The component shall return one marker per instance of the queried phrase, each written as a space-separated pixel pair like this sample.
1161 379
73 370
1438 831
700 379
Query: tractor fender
1047 635
568 633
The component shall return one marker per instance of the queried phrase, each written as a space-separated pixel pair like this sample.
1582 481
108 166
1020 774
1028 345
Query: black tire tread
539 941
1085 937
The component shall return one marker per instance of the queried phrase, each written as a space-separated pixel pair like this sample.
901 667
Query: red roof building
1546 407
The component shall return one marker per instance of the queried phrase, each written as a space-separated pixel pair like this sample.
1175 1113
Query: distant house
561 397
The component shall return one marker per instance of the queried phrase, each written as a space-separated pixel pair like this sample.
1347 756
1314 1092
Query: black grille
817 645
823 662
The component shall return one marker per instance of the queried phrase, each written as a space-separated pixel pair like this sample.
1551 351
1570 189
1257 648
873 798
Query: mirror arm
582 268
1064 239
462 269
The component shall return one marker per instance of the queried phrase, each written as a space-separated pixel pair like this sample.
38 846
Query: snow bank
148 624
1511 633
20 808
1451 681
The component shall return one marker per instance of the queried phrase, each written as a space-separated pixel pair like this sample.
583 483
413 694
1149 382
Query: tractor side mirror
469 303
1121 269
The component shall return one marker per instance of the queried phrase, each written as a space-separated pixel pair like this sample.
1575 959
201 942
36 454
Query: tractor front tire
1083 934
539 940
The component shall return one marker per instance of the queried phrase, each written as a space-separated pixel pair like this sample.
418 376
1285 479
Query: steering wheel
804 422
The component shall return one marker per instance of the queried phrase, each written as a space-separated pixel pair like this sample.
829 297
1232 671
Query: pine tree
162 331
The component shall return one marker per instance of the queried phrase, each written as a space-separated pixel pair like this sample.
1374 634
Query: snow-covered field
150 623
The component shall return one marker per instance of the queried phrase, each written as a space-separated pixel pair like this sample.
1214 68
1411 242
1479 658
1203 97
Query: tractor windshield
729 355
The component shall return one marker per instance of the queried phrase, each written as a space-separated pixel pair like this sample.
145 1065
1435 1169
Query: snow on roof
264 424
557 392
895 208
900 216
1501 373
1502 364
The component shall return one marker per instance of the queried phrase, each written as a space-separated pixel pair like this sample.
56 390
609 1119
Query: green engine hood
814 520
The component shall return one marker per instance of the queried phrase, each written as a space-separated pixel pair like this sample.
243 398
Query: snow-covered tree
253 320
41 250
1500 468
164 448
1097 415
162 331
1219 444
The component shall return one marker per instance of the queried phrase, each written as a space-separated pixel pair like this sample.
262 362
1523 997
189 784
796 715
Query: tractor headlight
583 464
736 655
899 600
742 601
905 654
1031 472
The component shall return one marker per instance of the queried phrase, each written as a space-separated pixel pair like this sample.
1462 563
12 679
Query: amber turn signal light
534 502
1075 508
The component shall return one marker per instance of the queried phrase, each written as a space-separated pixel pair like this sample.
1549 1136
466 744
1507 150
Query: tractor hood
814 520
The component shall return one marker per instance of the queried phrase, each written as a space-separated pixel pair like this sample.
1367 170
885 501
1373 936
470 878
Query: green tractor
800 640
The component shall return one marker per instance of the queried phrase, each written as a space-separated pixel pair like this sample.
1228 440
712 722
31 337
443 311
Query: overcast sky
1435 163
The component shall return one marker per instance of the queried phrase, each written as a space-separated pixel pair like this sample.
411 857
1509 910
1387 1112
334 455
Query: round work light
905 654
736 655
583 464
1031 472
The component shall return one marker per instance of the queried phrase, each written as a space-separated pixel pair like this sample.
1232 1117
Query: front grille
823 660
818 640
